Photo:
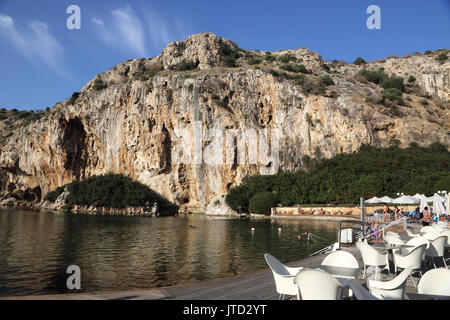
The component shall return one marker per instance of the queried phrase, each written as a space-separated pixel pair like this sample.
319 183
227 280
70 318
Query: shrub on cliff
286 58
393 94
184 65
53 195
359 61
442 57
269 57
347 177
254 61
229 61
98 84
294 68
326 80
113 191
74 97
381 78
262 202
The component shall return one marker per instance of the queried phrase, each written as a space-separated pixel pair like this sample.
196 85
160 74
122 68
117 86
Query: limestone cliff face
138 122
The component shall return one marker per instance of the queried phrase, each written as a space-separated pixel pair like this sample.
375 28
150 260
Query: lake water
120 253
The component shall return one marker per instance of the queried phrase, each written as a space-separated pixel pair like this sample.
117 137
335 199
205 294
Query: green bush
67 207
254 61
275 73
442 57
262 202
373 76
393 82
74 97
411 79
347 177
184 65
269 57
111 190
237 198
147 74
286 58
98 84
53 195
326 80
299 79
359 61
381 78
229 61
393 94
294 68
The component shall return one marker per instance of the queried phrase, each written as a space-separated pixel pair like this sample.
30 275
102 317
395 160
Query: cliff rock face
190 125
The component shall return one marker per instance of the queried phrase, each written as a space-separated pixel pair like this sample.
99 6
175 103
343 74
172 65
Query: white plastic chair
415 242
410 234
372 257
437 249
318 285
436 227
446 233
410 258
341 259
395 234
390 290
426 229
393 239
431 235
283 276
359 292
435 281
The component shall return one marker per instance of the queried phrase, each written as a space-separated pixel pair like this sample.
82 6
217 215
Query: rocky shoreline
61 206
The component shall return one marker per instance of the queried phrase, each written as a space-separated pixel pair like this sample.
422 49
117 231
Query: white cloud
163 30
6 21
37 43
125 29
158 28
98 21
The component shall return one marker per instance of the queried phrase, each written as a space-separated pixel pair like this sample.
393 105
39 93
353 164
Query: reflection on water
132 252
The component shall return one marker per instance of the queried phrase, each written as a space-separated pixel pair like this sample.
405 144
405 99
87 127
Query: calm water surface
120 253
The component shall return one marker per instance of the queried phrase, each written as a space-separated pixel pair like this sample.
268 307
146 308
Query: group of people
426 217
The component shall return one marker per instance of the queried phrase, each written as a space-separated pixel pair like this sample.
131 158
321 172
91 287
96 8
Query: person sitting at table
442 222
374 234
435 218
386 213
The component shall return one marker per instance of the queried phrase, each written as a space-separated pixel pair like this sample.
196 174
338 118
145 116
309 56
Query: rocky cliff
196 119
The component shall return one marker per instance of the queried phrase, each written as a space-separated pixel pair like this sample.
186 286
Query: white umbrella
406 200
448 204
423 203
373 200
438 207
439 197
418 196
386 199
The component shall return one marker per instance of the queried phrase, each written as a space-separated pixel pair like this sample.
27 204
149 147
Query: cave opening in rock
74 145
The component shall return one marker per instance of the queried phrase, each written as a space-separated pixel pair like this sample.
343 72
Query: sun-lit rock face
139 123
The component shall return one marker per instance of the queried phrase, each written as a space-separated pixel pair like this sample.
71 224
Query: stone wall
329 211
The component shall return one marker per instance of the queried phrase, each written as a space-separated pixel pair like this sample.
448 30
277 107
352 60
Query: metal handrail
401 220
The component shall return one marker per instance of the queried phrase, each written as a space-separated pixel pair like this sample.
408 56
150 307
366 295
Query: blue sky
42 62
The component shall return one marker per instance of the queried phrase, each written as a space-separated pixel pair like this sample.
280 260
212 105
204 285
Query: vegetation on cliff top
111 191
347 177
